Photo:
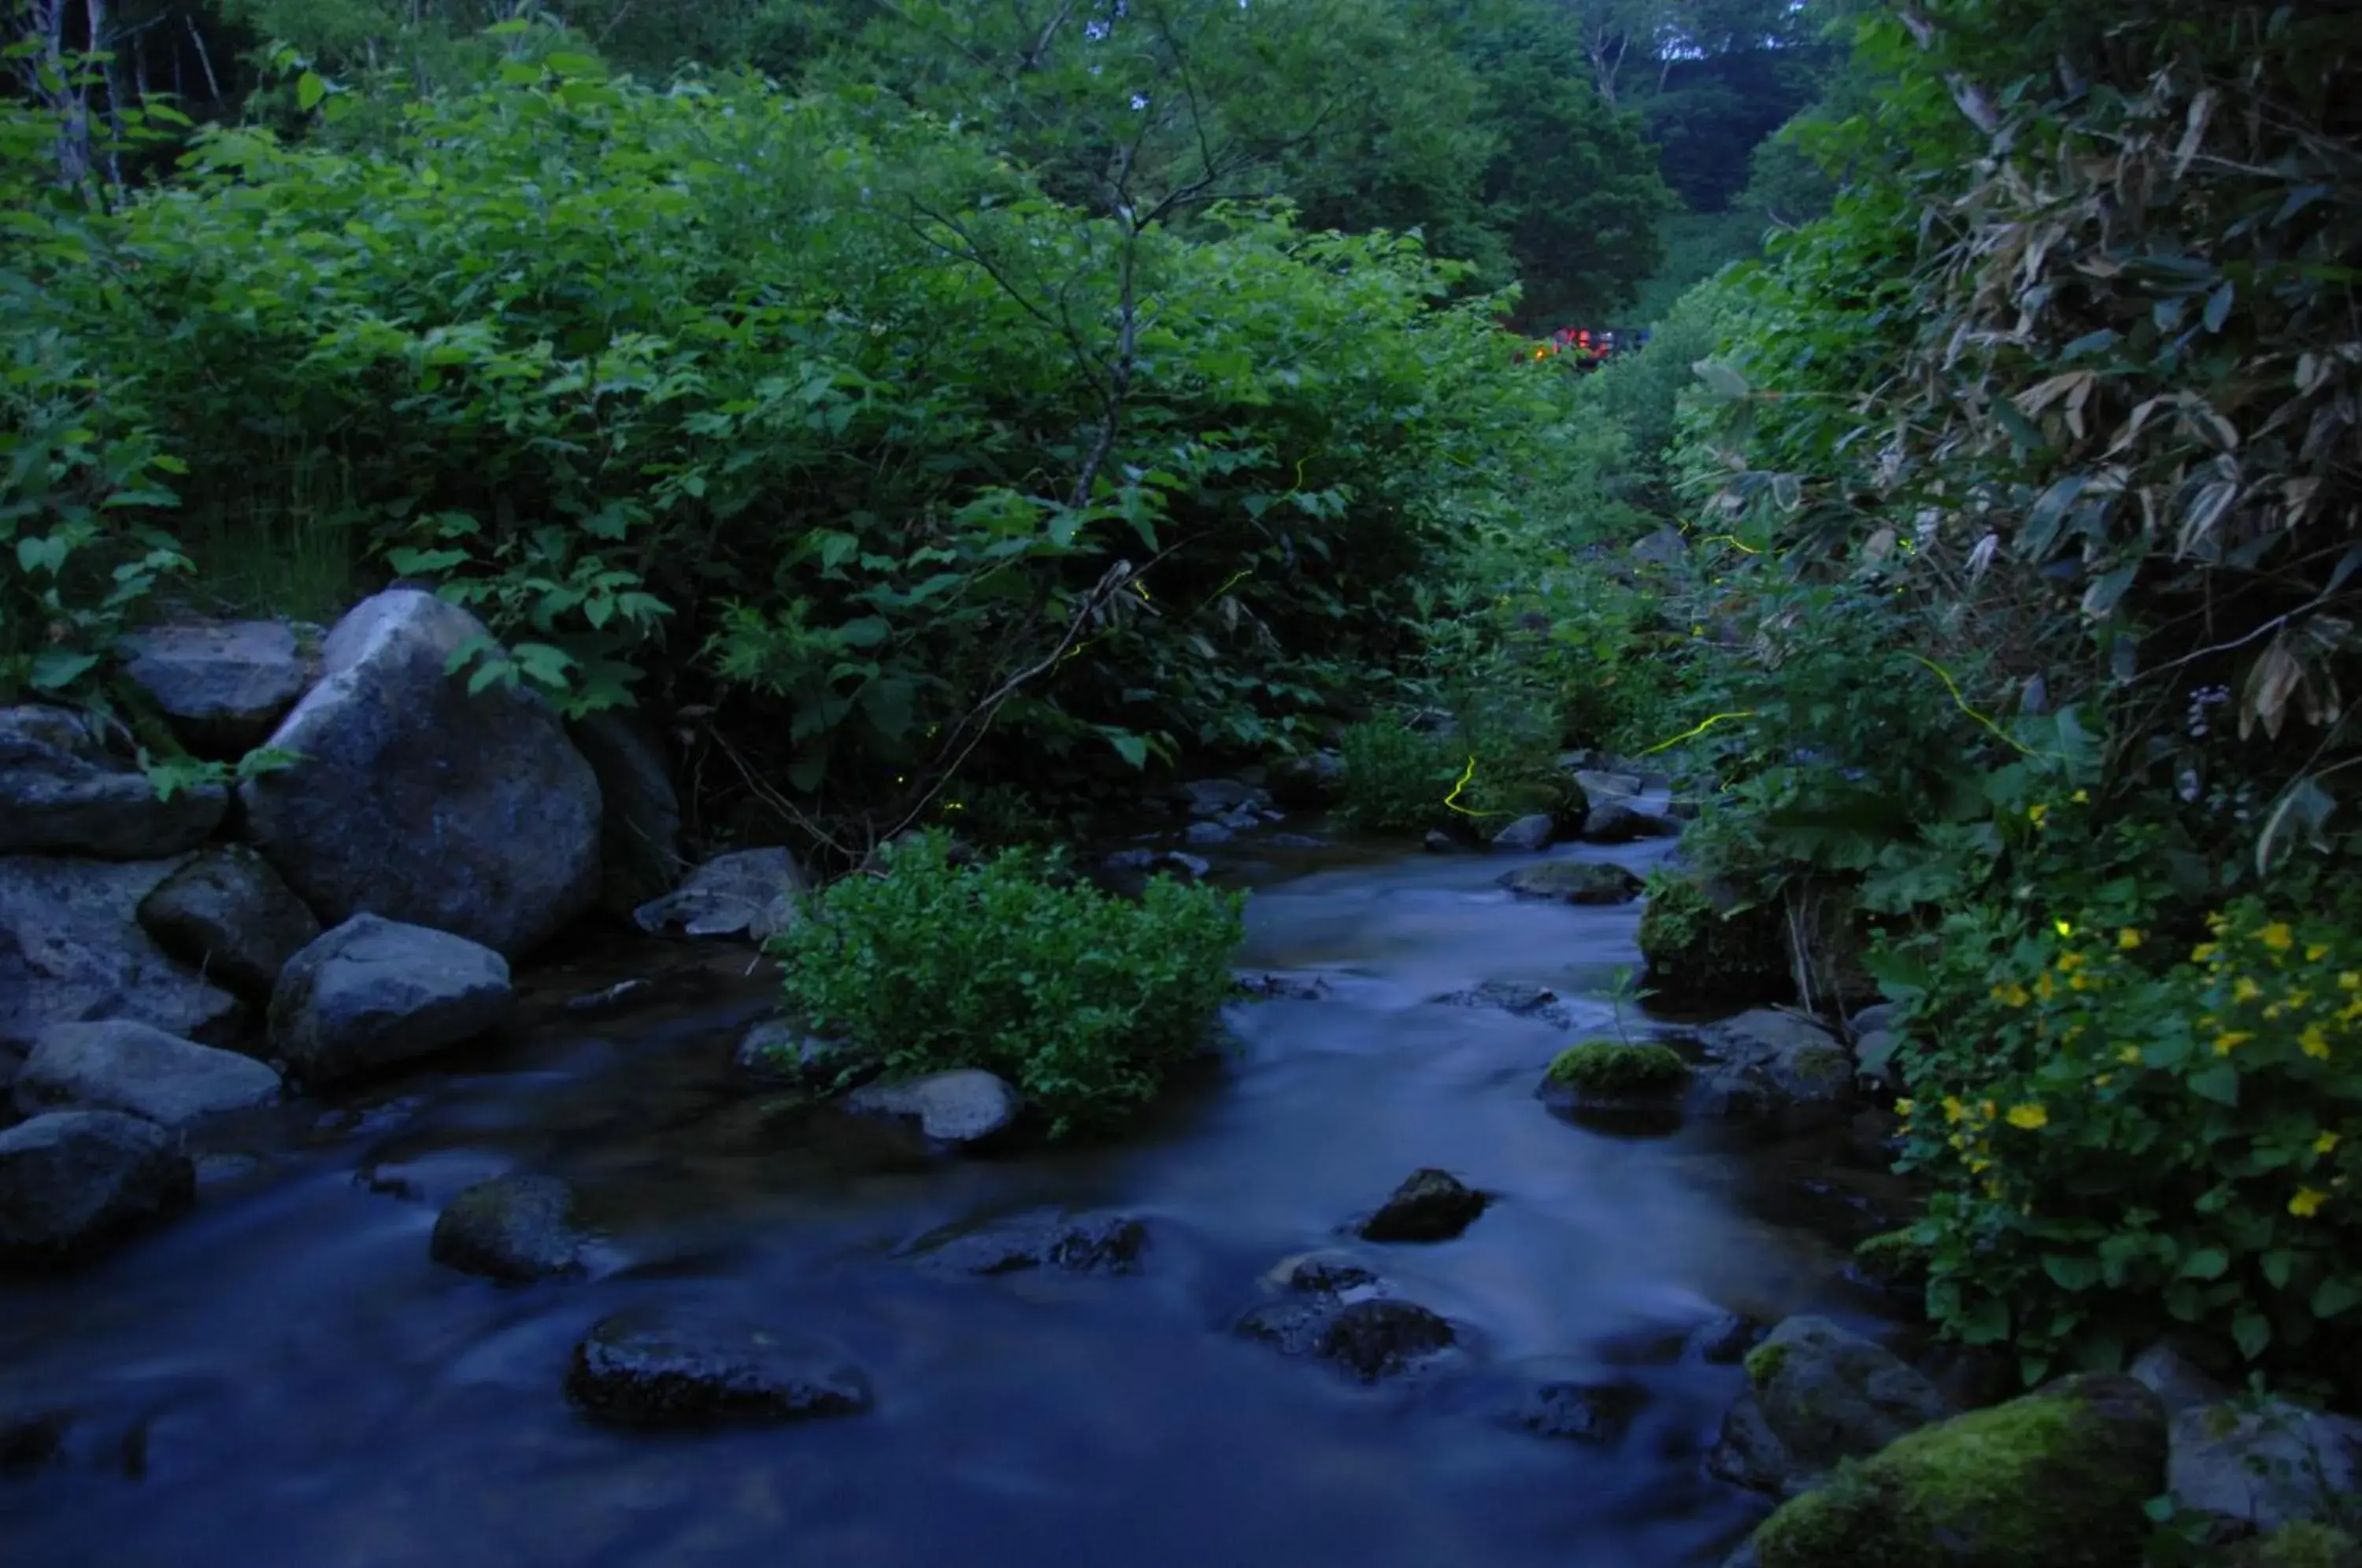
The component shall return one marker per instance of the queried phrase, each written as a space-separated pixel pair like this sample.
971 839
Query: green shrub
2120 1144
1084 1002
1619 1067
1398 779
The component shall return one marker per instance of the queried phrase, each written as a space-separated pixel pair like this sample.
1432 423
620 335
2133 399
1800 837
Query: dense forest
950 414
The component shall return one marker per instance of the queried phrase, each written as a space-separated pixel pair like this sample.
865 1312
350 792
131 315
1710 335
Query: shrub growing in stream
1085 1001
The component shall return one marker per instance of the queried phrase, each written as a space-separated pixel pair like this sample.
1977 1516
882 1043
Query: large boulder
2268 1465
373 993
63 793
223 685
232 917
73 1181
639 822
1779 1070
122 1066
514 1227
1702 951
72 951
654 1369
2059 1478
749 894
1818 1395
1528 835
1337 1312
421 802
1317 780
965 1108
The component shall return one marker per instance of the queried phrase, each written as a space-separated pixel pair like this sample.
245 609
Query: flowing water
284 1378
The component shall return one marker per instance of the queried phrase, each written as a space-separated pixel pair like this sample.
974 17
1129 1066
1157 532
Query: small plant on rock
1619 1067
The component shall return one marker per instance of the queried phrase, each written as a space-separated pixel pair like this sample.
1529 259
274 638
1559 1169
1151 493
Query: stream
282 1377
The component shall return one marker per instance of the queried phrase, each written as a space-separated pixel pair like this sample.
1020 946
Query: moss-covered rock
2057 1478
1700 955
1817 1394
1619 1067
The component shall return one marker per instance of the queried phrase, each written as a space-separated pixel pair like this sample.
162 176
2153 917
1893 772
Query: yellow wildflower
2062 928
2035 812
2307 1202
2325 1143
2011 995
2103 1080
2315 951
2081 798
2128 1054
2246 990
1953 1109
2128 939
2028 1116
2227 1043
2069 961
2218 922
2277 936
2044 986
2079 982
1904 1107
2313 1043
2205 951
1987 1111
2349 982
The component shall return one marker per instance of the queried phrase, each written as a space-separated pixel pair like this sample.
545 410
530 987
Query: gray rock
1527 835
72 951
1219 797
373 993
1323 1274
1613 822
1156 862
1429 1206
1372 1338
1665 547
1439 842
1307 782
61 793
421 802
1515 997
2269 1465
1573 882
1579 1411
514 1227
231 917
964 1109
1208 832
223 685
1270 987
751 894
2177 1382
1778 1070
639 818
71 1182
122 1066
1602 786
1818 1395
1077 1243
651 1369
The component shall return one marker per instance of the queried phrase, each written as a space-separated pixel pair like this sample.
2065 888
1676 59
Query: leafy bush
1084 1002
2118 1144
1400 779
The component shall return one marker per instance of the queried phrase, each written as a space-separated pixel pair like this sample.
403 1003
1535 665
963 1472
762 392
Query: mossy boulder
2058 1478
1618 1085
1573 882
1818 1395
1701 955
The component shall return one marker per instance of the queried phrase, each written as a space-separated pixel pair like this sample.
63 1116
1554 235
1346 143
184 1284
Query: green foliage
1619 1067
1086 1002
1472 777
2118 1145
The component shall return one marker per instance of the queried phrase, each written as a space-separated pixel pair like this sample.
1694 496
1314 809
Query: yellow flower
2277 936
2218 922
1904 1107
1985 1108
2044 986
2128 939
2103 1080
2325 1143
2205 951
2315 951
2011 995
2246 990
2129 1054
2349 982
2028 1116
1953 1109
2226 1044
2081 798
2035 813
2079 982
2313 1043
2062 928
2307 1202
2068 962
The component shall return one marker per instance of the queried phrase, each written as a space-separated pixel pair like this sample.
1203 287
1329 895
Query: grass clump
1084 1002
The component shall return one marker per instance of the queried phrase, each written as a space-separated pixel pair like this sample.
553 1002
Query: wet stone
1580 1412
1429 1206
1088 1244
654 1369
516 1228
